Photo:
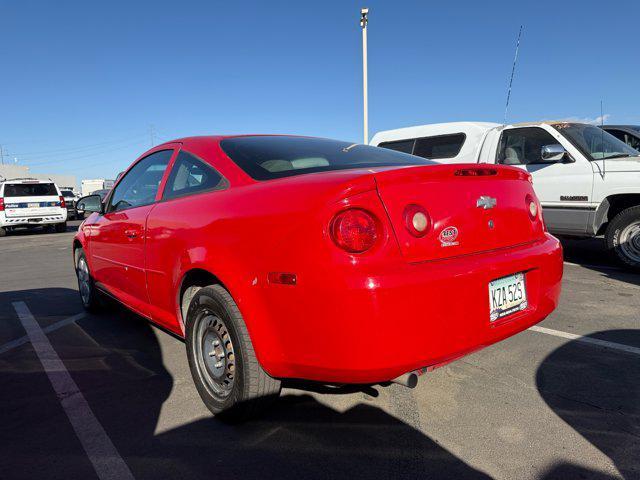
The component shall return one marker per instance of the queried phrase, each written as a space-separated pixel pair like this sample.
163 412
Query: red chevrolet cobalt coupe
282 257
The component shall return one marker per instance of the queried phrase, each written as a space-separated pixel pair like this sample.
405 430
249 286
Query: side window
523 146
619 134
140 185
442 146
190 175
404 146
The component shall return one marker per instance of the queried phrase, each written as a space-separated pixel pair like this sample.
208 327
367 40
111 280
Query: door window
442 146
140 185
190 175
523 146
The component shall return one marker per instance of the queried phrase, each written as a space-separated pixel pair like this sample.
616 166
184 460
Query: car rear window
30 190
270 157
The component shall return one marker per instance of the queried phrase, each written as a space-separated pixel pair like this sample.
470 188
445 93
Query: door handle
131 233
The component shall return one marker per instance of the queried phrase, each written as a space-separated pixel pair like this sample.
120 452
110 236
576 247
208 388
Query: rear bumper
47 219
372 328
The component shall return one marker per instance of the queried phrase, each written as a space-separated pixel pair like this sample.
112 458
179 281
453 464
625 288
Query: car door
117 246
177 230
564 187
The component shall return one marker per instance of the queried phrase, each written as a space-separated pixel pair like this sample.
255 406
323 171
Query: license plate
33 205
507 295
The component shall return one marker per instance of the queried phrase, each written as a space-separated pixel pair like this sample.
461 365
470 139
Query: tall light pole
364 18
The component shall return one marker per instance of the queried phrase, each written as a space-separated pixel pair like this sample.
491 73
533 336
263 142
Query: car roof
24 180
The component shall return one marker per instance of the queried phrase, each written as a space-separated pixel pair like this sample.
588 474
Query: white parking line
106 460
51 328
583 339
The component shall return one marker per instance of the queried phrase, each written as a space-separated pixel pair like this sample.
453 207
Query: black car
70 200
629 134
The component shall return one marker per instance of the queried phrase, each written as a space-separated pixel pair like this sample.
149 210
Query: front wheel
623 237
88 293
223 364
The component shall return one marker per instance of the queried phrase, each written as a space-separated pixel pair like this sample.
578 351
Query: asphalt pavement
110 396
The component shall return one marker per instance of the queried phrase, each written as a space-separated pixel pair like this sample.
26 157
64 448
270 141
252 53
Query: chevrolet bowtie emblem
486 202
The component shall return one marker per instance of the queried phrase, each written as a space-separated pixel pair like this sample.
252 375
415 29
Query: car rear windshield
30 190
270 157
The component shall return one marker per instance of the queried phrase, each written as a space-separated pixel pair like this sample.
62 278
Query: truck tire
3 231
61 227
623 237
223 364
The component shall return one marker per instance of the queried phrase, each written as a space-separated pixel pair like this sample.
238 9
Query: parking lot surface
560 401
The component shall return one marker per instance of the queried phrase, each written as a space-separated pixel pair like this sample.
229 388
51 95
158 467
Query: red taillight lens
354 230
62 202
532 207
1 204
417 220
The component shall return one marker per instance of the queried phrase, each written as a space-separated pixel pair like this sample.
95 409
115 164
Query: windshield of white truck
594 142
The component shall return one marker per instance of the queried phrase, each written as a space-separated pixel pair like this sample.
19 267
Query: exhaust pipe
409 380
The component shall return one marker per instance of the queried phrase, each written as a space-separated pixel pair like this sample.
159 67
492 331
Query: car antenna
604 158
513 71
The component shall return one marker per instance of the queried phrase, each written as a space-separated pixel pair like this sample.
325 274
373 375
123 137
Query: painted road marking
589 340
51 328
106 460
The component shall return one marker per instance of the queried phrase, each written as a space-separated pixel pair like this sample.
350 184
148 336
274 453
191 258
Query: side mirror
90 203
552 153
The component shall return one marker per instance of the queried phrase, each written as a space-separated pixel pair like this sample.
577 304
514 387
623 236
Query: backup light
417 220
533 207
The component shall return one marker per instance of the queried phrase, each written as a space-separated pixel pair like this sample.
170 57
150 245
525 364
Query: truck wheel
88 293
223 364
61 227
3 231
623 237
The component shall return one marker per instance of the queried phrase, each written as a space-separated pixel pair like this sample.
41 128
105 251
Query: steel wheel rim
629 241
84 280
215 355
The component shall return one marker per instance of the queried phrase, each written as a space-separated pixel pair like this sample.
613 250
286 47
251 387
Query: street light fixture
364 19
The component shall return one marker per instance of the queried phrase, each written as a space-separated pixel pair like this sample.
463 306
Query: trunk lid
473 208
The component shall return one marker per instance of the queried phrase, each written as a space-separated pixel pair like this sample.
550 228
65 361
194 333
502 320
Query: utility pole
364 19
1 155
151 135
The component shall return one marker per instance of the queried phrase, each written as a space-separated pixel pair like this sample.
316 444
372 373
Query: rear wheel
226 372
623 237
3 231
88 294
61 227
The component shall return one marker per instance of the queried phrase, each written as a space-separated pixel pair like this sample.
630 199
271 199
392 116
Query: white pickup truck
588 181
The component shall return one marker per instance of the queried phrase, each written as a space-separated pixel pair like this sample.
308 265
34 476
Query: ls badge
486 202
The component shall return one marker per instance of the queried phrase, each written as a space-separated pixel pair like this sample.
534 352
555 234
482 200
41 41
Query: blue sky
82 81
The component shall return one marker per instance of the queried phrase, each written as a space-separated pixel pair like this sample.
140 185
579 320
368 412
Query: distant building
91 185
20 171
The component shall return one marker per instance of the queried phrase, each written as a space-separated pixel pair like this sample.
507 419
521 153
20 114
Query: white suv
28 202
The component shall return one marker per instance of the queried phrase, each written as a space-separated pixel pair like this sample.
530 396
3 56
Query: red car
281 257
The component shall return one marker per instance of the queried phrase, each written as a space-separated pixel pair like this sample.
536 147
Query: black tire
61 227
91 298
234 389
623 238
3 231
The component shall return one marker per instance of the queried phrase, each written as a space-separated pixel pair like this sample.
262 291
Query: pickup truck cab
587 180
28 202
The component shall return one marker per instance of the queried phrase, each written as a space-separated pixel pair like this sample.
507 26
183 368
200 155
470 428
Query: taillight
1 204
417 220
354 230
532 207
62 202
